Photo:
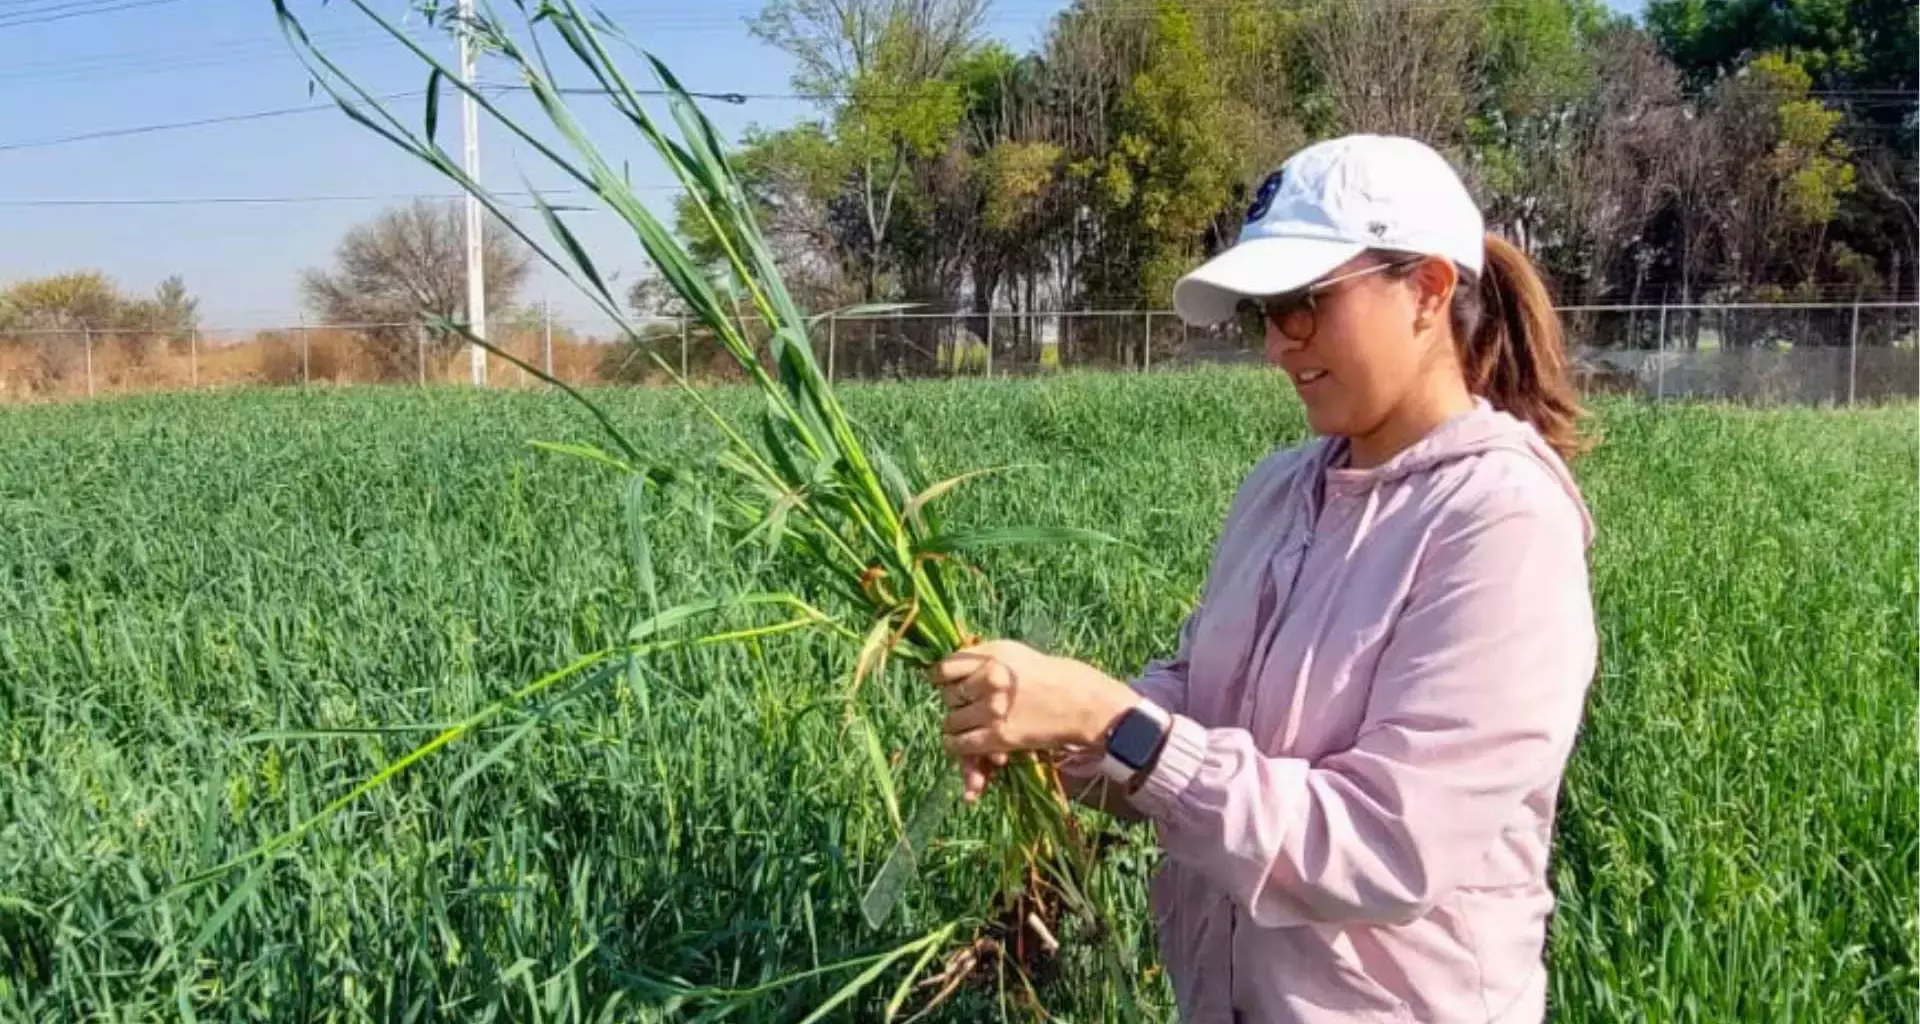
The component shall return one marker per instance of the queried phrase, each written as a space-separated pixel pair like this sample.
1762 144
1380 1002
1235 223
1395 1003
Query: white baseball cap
1329 203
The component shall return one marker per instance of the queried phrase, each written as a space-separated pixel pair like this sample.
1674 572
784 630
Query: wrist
1107 700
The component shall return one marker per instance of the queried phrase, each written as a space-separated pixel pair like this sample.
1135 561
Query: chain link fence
1821 353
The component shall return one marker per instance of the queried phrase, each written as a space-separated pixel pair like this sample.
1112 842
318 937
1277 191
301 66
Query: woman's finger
958 695
959 666
982 742
968 717
976 773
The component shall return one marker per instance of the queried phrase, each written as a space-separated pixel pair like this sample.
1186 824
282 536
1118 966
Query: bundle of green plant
806 481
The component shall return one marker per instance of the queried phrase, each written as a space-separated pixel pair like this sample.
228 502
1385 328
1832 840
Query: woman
1353 760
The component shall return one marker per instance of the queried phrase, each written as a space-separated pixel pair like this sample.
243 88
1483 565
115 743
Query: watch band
1119 771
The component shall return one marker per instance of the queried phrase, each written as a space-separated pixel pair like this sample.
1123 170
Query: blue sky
70 67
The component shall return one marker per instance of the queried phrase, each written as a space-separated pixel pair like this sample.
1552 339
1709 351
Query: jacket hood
1477 431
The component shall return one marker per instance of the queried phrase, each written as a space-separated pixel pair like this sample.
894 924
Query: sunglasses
1294 313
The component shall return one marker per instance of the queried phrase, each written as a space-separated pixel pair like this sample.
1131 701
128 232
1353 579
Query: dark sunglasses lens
1297 321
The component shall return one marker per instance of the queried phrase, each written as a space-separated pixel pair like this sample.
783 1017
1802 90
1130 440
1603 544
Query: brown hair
1511 347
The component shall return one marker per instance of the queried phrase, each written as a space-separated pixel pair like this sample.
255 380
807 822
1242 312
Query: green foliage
223 610
1179 150
1865 43
1539 57
1101 167
1015 177
1809 158
89 299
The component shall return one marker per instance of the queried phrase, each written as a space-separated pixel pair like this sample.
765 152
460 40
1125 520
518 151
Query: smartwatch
1134 741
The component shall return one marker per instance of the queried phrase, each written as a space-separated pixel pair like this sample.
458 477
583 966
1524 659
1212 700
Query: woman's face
1375 341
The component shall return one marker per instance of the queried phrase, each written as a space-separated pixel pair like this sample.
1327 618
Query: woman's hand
1005 696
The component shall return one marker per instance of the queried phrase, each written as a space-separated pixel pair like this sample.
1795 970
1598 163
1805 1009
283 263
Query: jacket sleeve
1164 681
1475 703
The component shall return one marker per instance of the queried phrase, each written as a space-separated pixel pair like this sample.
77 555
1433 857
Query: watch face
1134 739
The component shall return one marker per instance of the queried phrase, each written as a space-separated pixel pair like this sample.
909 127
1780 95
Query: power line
66 201
147 129
80 9
260 115
79 69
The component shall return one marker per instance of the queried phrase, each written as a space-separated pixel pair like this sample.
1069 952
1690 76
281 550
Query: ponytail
1512 349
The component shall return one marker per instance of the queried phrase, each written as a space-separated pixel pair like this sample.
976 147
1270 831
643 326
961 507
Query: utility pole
546 336
470 162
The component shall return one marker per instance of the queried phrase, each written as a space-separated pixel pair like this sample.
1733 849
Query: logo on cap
1263 199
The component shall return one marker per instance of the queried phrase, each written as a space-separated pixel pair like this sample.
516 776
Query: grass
217 612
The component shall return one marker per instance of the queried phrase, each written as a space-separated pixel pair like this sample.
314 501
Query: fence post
86 334
1853 353
831 319
420 351
546 337
193 357
683 348
989 343
1146 345
1660 359
305 376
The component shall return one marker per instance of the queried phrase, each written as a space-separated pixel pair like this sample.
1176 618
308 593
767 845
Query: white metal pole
1853 353
470 162
86 334
1146 345
989 343
831 319
683 347
193 357
546 337
1660 359
420 351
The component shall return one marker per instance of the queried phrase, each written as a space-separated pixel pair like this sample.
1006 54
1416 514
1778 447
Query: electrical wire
81 9
260 115
286 200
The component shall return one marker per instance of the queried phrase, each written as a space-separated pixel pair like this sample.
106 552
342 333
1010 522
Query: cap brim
1257 266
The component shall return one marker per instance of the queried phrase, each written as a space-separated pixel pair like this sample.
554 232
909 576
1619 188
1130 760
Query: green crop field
217 612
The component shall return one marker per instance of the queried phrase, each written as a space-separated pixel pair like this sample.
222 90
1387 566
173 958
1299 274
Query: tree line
1716 150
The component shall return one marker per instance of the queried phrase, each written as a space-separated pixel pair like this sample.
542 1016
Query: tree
410 261
1702 155
1168 115
1396 67
1862 59
1839 43
1175 161
651 297
170 315
55 312
797 179
881 66
77 300
1785 173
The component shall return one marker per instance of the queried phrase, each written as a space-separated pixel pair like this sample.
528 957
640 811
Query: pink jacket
1374 704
